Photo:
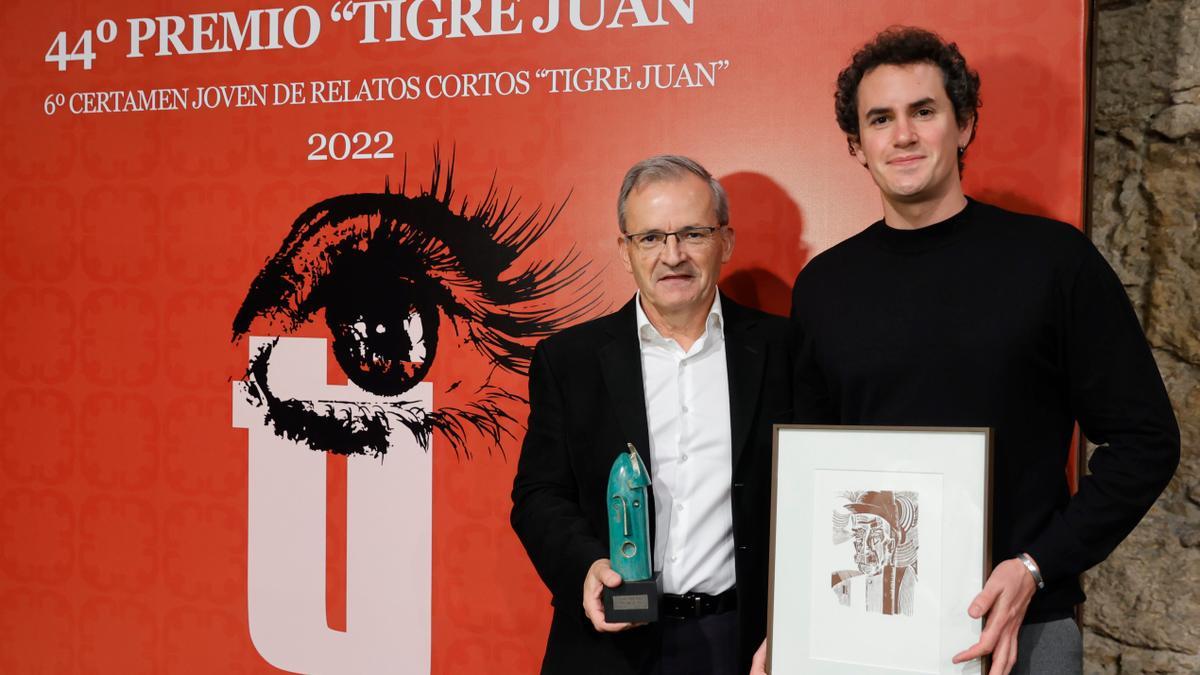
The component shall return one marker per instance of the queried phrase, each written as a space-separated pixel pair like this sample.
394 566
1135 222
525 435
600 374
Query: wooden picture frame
880 538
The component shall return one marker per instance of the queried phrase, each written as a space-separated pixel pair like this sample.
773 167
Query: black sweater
996 319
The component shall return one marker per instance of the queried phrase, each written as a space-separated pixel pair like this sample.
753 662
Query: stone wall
1143 609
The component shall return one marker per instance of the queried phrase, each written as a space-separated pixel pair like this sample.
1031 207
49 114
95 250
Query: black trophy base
632 601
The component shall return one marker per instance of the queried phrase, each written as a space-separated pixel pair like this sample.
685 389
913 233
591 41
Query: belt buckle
698 602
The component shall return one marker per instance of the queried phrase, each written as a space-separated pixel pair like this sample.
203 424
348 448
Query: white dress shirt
691 456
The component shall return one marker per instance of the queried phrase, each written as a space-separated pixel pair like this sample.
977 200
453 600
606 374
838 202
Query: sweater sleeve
811 400
546 514
1118 398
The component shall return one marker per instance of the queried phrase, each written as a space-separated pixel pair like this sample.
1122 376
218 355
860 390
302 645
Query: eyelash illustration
388 269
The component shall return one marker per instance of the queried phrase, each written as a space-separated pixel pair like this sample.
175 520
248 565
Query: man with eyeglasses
694 381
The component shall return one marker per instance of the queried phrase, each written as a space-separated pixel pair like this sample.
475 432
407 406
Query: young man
694 381
952 312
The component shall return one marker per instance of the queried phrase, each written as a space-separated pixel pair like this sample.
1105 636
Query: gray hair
668 167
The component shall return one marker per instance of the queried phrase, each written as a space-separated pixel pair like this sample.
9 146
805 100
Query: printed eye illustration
396 278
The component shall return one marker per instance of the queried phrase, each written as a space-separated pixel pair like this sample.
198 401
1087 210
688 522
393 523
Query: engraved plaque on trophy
636 599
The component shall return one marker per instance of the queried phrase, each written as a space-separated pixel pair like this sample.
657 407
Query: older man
694 381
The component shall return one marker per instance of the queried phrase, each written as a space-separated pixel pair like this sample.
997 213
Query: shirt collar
715 323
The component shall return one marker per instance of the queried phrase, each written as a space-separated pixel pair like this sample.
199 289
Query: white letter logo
389 514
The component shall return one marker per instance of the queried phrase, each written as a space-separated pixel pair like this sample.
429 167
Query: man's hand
758 665
1004 599
600 575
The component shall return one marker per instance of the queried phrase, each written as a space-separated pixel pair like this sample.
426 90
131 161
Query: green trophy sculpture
636 599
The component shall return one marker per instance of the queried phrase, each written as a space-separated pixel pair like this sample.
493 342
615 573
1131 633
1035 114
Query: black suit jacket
586 401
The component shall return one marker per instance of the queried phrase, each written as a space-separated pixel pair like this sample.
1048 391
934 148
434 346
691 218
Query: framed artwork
879 541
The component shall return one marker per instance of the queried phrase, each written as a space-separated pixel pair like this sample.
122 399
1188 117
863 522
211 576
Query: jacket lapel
745 356
621 366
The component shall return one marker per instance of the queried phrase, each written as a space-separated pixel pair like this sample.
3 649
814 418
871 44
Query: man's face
907 135
873 544
677 277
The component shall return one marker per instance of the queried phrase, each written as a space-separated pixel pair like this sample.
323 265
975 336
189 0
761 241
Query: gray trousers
1051 648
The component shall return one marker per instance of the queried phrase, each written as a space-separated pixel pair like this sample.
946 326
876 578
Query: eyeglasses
692 237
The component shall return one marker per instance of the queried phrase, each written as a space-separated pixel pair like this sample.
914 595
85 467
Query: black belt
693 605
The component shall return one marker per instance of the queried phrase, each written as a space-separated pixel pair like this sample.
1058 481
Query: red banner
271 274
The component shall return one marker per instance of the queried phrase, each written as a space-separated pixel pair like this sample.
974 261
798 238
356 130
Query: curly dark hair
902 45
